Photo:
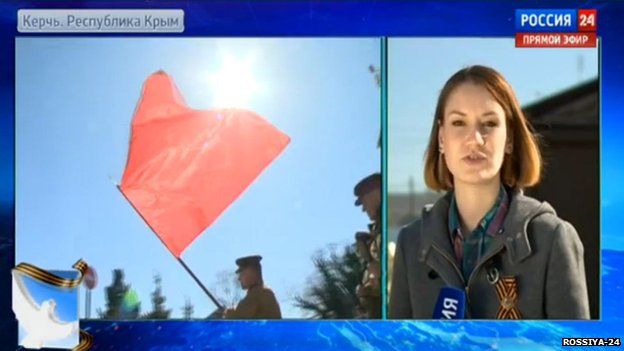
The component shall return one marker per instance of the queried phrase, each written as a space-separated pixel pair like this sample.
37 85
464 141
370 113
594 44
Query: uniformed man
260 302
368 193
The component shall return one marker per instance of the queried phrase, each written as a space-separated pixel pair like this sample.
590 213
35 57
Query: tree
158 302
121 300
376 72
188 309
227 289
332 293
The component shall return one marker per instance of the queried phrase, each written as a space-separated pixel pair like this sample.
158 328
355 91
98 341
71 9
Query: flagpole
179 259
200 283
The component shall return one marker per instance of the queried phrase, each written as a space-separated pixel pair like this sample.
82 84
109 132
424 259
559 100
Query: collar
491 222
258 285
513 233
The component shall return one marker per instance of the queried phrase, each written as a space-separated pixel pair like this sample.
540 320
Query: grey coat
542 251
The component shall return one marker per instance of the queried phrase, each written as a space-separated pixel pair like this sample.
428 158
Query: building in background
568 123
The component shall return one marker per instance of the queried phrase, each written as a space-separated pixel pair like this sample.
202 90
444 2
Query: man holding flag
260 301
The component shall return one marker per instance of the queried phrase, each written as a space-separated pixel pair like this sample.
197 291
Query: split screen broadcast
323 178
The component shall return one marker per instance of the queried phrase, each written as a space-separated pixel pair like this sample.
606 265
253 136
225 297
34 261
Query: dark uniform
260 301
369 246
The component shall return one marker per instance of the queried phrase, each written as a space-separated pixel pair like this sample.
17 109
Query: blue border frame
352 19
384 178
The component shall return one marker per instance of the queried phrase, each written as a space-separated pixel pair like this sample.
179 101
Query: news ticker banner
561 28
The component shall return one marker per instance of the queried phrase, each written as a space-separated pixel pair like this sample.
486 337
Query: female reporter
510 254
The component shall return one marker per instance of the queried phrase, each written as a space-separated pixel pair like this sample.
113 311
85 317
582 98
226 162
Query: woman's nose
476 136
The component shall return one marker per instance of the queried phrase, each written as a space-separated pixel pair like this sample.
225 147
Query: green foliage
159 311
331 294
121 300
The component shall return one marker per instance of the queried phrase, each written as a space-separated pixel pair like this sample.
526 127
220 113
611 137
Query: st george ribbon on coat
186 166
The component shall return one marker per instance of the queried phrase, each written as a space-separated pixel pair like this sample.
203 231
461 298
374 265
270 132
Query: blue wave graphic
367 335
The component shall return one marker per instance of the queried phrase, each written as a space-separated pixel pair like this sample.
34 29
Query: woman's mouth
474 159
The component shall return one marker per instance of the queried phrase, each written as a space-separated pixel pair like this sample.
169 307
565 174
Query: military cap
248 261
366 185
362 236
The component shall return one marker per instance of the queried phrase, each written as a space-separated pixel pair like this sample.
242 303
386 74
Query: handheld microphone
451 304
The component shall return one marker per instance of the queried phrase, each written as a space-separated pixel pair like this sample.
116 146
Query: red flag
185 166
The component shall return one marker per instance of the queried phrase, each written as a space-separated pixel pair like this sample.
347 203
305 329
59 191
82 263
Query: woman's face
473 135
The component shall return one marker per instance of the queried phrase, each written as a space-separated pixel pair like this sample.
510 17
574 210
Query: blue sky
74 102
419 67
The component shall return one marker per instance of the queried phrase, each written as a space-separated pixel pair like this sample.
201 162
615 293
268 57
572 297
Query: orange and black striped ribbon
507 291
86 341
41 275
44 276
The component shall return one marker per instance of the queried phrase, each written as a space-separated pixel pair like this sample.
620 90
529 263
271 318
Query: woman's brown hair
522 167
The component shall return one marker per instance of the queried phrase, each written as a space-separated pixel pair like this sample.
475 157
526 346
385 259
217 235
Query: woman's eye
457 123
490 124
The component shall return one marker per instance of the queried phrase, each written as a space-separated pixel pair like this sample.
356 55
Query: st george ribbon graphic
186 166
40 322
